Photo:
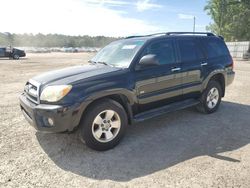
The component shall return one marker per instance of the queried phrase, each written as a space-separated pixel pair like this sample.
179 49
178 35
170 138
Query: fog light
50 121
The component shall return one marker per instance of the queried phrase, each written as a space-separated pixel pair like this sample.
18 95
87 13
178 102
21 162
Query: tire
210 98
104 125
15 56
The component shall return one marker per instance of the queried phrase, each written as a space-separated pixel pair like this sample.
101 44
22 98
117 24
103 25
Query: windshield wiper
91 61
100 62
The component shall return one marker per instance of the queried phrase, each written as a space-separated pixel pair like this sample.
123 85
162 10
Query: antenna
194 25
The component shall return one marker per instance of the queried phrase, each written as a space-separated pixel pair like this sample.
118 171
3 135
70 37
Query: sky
116 18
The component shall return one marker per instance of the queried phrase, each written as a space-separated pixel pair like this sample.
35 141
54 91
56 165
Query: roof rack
191 33
221 37
174 33
145 35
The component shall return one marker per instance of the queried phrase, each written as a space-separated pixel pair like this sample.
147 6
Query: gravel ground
180 149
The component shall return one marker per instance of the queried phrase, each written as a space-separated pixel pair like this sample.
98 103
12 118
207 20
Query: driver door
159 84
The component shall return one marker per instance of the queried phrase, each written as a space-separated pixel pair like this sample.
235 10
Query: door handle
175 69
203 64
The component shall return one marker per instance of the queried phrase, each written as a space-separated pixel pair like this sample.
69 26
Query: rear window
215 47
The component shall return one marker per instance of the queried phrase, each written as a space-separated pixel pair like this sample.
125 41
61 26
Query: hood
74 73
17 50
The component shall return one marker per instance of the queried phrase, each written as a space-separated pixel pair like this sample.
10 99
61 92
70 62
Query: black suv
129 81
11 52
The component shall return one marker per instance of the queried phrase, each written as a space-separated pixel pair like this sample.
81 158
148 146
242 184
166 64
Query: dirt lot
182 149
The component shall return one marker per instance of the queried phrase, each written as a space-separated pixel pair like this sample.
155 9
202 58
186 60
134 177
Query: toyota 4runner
130 80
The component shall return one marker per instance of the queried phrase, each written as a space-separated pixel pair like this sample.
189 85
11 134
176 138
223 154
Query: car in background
69 50
11 52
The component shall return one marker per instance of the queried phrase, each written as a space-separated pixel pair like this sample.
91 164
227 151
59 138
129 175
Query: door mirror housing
148 60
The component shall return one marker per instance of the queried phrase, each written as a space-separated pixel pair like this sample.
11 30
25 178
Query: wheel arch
219 76
122 99
221 79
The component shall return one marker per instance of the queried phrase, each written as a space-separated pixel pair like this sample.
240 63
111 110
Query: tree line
53 40
231 18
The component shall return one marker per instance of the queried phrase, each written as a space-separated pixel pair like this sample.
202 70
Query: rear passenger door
192 60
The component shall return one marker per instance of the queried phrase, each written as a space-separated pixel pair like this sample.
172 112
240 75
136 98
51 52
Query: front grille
32 91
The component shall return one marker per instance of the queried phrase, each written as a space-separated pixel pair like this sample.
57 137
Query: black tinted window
2 51
163 50
215 47
189 50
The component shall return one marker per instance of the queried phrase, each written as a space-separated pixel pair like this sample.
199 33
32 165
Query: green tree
231 18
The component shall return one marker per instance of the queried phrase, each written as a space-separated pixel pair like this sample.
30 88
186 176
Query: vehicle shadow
10 59
156 144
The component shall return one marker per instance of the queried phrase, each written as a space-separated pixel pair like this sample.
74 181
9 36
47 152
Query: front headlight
55 93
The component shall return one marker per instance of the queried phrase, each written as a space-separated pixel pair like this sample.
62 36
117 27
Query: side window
215 47
164 51
189 50
2 50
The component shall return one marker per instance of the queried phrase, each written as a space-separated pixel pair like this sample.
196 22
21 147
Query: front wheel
16 56
211 98
104 125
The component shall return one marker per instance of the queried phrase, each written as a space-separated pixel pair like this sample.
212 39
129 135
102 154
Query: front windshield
118 53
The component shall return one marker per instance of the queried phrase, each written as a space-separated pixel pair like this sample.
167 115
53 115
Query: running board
165 109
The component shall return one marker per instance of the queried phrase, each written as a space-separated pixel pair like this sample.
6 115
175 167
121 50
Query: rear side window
189 50
164 51
215 47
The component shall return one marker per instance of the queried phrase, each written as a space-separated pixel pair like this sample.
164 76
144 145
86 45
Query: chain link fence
239 50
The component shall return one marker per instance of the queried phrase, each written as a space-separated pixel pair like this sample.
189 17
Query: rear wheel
211 98
104 125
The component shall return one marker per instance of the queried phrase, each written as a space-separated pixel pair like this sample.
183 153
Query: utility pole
194 25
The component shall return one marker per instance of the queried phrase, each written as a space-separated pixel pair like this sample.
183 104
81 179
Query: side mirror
148 60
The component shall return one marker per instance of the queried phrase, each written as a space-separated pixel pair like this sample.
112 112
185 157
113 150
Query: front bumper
65 118
23 55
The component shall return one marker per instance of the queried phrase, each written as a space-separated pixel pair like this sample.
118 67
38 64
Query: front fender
130 95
